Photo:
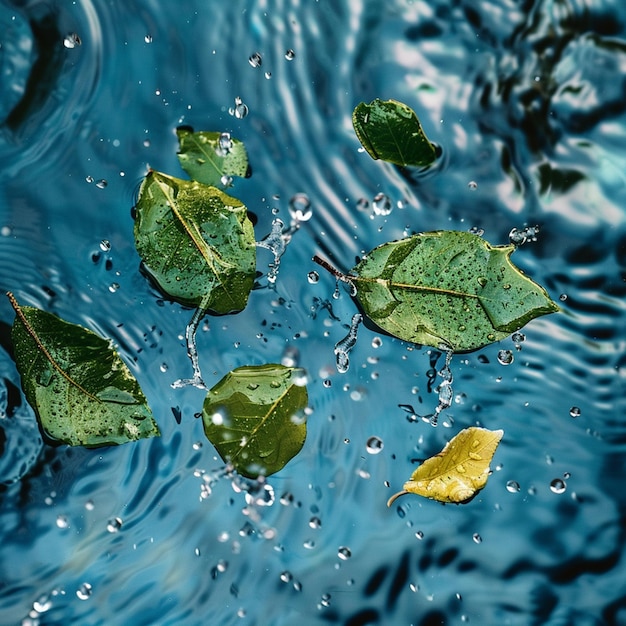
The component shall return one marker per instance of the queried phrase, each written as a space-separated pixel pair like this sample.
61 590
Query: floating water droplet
575 411
148 38
325 600
276 242
381 204
89 179
241 612
344 553
505 357
268 75
114 524
309 544
313 277
374 445
315 522
224 144
419 535
377 342
517 237
62 521
300 207
513 486
477 538
255 60
472 185
558 486
240 110
197 445
42 604
286 576
84 591
563 297
362 204
345 345
105 245
71 40
476 230
290 55
89 505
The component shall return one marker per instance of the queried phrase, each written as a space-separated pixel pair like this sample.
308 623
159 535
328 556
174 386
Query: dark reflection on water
525 100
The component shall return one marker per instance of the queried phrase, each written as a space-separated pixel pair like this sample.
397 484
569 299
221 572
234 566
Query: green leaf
447 289
209 156
389 130
255 417
196 243
459 471
81 391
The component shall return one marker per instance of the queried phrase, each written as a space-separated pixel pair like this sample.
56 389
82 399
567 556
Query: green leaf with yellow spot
196 243
82 393
255 417
459 471
390 130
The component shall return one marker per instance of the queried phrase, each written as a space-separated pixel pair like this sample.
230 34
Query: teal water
525 99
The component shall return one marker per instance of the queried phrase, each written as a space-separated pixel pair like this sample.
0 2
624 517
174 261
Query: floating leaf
196 243
255 417
447 289
459 471
81 391
389 130
211 158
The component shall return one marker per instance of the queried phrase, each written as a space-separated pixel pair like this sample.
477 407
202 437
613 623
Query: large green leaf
390 130
447 289
255 417
81 391
211 158
196 243
459 471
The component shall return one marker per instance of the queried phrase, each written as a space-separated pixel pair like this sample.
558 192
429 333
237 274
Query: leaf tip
395 496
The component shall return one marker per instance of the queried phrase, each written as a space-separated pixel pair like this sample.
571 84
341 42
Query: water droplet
575 411
315 522
148 38
255 60
102 183
197 445
62 521
276 242
89 505
517 237
345 345
325 600
313 277
105 245
377 342
71 40
472 185
42 604
290 55
513 486
477 538
505 357
84 591
419 535
482 281
114 524
374 445
113 287
241 612
563 297
362 204
240 110
381 204
268 75
224 144
344 553
558 486
89 179
286 576
221 566
300 208
309 544
476 230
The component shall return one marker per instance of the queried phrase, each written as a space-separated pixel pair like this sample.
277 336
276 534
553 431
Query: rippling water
525 99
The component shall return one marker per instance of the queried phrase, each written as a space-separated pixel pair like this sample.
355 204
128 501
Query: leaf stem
333 270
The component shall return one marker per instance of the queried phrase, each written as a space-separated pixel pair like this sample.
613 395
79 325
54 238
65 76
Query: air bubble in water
240 110
300 208
114 524
575 411
255 60
148 38
505 357
381 204
84 591
286 576
374 445
290 55
62 521
513 486
315 523
558 486
313 277
71 40
344 553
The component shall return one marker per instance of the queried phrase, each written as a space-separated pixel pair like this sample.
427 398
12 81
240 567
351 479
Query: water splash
192 350
276 242
444 389
345 345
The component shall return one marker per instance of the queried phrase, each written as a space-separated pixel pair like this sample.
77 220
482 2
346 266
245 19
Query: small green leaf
81 391
459 471
447 289
389 130
196 243
209 156
255 417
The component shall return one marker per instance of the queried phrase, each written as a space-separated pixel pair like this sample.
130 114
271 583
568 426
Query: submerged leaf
211 157
81 391
196 243
459 471
447 289
255 417
389 130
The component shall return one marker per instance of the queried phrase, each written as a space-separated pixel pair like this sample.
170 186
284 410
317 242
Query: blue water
525 99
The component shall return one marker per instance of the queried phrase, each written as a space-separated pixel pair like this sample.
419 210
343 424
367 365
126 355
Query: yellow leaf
459 471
